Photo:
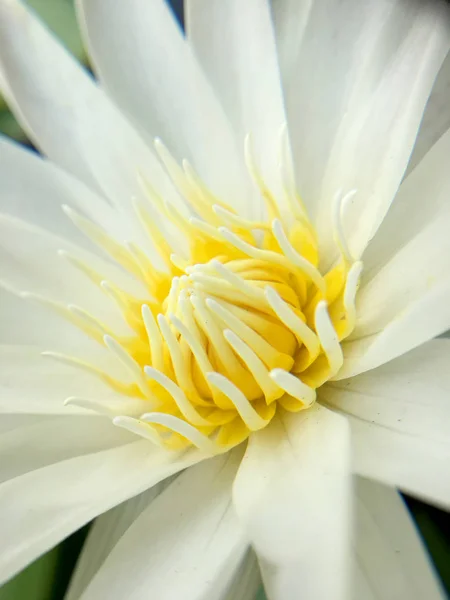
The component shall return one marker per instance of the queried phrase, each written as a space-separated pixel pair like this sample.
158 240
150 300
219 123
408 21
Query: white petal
147 66
30 261
235 44
413 464
34 189
291 20
33 385
43 506
292 495
187 543
400 418
409 214
436 119
369 48
374 142
108 530
390 558
105 533
322 58
406 302
29 323
356 127
46 440
71 119
409 395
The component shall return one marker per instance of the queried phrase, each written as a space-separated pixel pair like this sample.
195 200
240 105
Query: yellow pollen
242 326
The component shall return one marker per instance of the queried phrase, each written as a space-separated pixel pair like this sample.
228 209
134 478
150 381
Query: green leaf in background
35 582
434 527
47 577
60 17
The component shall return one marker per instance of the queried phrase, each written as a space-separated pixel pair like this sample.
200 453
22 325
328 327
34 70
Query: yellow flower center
243 325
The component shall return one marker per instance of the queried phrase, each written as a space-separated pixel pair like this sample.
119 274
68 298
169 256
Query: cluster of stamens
243 325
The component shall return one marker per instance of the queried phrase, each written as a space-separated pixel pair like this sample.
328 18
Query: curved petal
373 145
148 68
41 507
409 394
400 419
436 120
33 260
292 494
356 127
34 189
28 323
104 535
234 42
72 120
322 61
33 385
409 213
404 302
390 558
107 531
45 440
191 521
413 464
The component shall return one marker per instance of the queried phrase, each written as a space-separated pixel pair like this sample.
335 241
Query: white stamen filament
198 439
287 177
304 265
101 238
112 409
351 287
258 344
71 361
186 408
121 299
328 338
159 240
248 414
338 205
180 367
81 266
302 332
154 338
237 220
143 266
175 172
257 177
208 323
129 363
237 281
254 364
206 228
89 319
225 291
139 428
195 345
293 386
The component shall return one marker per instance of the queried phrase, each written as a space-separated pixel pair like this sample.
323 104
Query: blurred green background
47 578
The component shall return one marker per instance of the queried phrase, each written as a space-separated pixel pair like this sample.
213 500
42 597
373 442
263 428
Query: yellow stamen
239 326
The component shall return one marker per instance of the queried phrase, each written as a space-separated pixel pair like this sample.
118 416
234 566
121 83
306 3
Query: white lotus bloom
211 266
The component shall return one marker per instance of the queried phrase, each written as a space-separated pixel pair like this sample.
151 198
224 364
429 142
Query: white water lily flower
227 280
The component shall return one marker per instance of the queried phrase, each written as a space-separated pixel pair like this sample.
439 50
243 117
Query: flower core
243 325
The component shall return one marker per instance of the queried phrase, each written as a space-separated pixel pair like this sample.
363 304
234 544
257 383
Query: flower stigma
242 325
